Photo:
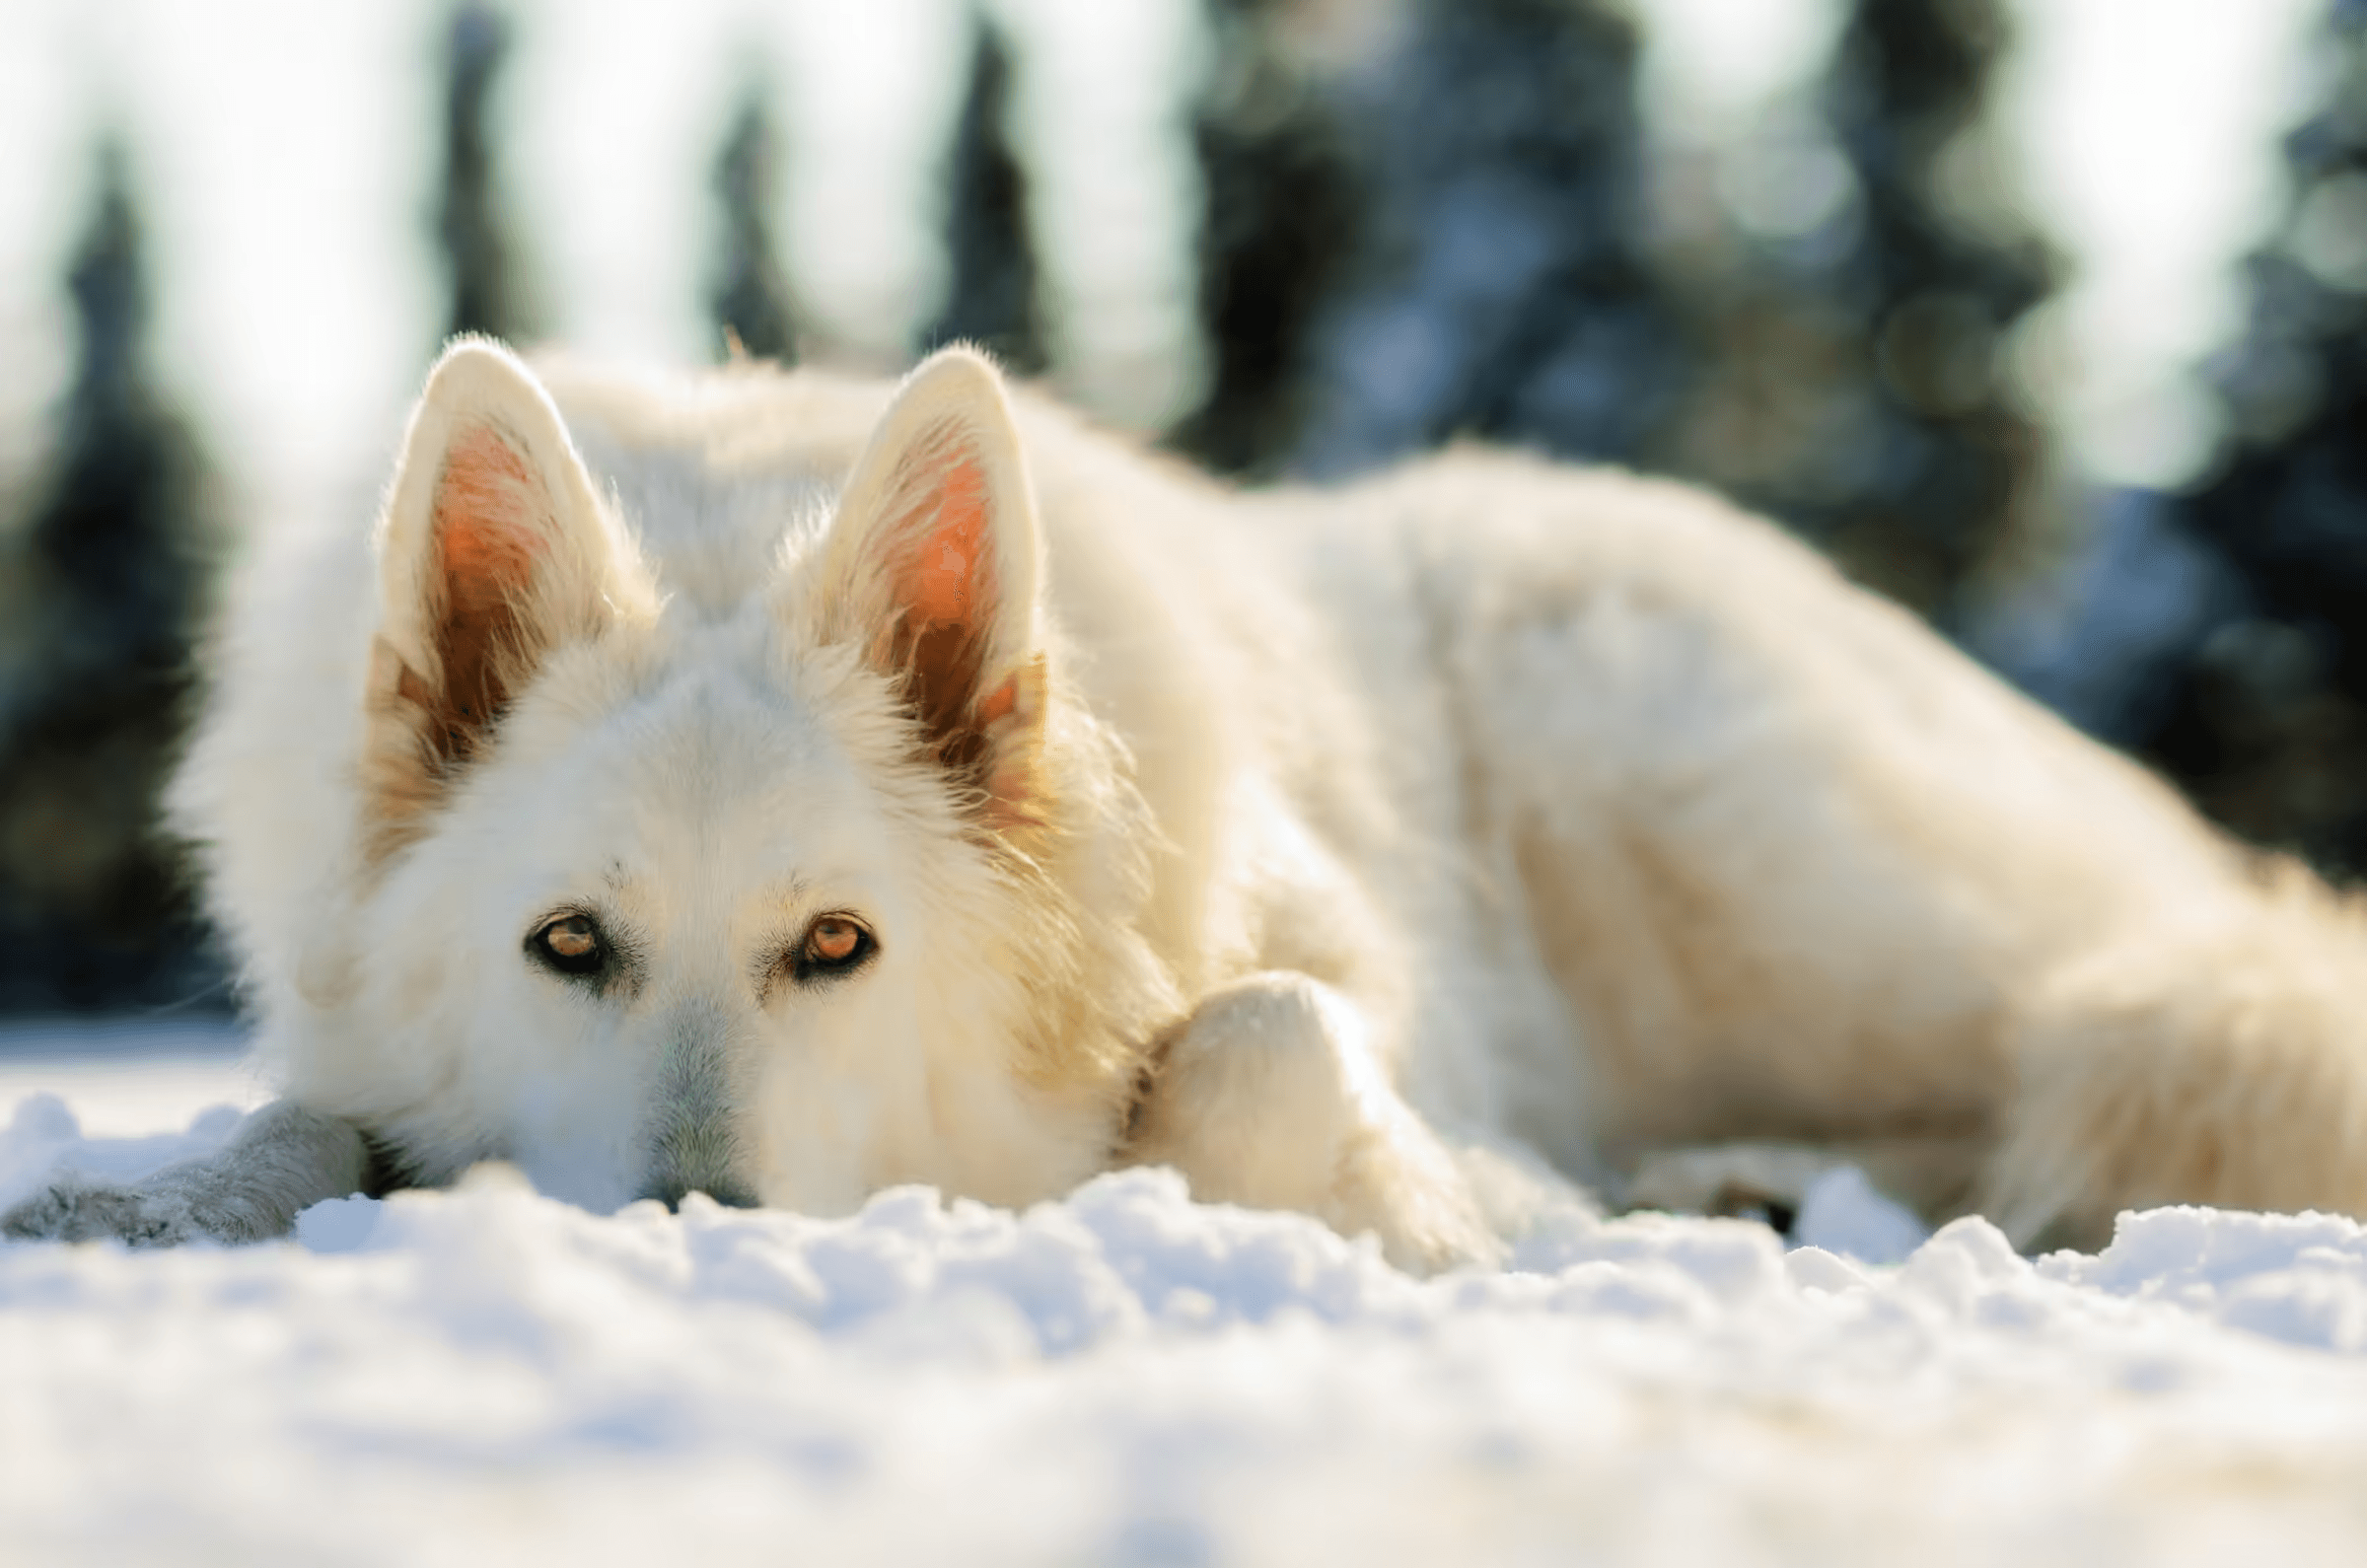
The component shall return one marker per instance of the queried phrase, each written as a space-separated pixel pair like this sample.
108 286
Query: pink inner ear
942 582
484 532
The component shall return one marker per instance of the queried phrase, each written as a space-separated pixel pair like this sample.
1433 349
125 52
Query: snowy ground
485 1377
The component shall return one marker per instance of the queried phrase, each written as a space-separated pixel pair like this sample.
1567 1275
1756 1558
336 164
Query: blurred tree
2268 722
1283 216
1851 381
106 579
1500 289
749 298
992 297
469 227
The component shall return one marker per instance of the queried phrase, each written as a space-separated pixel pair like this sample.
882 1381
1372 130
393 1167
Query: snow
127 1076
485 1375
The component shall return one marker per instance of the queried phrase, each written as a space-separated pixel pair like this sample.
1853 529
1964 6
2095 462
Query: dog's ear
493 551
933 567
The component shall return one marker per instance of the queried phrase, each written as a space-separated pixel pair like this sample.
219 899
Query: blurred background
2047 317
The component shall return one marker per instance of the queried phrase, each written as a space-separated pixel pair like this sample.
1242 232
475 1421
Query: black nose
731 1194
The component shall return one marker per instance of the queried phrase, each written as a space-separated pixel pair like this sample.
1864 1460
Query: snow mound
1125 1377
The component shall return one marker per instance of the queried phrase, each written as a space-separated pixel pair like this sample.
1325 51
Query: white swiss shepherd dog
783 786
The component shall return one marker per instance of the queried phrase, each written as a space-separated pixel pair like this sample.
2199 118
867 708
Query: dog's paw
283 1160
1765 1181
77 1209
1269 1095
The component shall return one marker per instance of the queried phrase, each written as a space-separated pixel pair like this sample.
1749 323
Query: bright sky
288 188
2146 134
611 101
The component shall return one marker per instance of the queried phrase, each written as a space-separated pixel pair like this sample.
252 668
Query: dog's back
1801 870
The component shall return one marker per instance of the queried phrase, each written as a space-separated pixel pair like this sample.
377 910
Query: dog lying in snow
784 786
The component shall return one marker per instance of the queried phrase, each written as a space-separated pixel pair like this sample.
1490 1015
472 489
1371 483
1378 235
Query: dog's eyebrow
615 876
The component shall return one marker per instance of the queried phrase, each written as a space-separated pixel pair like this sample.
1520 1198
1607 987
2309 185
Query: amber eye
832 945
572 944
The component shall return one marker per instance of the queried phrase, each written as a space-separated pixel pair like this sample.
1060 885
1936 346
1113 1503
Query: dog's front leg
282 1160
1270 1095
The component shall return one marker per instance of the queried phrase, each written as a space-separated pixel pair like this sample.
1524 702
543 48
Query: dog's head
773 899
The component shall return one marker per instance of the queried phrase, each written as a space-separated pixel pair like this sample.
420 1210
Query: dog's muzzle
693 1136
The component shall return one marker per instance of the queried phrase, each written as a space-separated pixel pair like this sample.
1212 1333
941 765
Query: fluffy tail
2228 1067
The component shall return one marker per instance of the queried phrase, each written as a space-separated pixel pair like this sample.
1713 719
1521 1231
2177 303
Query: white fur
1486 805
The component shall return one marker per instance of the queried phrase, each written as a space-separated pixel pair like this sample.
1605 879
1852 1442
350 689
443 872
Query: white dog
785 785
